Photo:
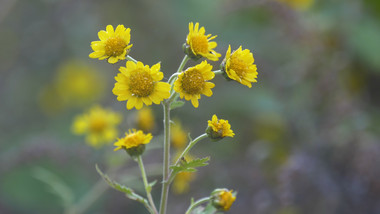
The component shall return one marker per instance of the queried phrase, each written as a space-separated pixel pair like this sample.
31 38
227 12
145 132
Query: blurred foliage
307 134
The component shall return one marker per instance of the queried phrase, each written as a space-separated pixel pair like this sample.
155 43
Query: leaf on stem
128 191
176 104
190 166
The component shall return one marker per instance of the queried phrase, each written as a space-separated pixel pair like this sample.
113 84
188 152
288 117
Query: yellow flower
200 44
133 139
218 129
178 135
98 124
113 44
223 199
145 119
239 66
298 4
140 85
193 82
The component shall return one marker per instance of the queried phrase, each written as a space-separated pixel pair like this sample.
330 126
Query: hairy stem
146 185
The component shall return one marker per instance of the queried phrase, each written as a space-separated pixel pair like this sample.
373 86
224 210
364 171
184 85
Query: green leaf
128 191
210 209
185 166
58 187
150 185
176 104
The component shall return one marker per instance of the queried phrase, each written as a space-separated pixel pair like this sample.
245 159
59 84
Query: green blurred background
306 133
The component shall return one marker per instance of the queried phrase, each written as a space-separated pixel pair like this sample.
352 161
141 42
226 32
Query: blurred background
306 133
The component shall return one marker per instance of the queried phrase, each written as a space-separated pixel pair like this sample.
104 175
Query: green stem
131 59
197 203
189 146
165 173
218 72
146 185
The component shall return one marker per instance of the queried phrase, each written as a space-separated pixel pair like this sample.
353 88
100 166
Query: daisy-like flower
239 66
133 142
218 129
193 82
113 44
99 126
222 199
139 84
198 44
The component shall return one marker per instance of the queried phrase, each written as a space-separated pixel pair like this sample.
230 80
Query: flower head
145 119
113 44
133 142
193 82
140 85
218 129
222 199
98 124
198 44
239 66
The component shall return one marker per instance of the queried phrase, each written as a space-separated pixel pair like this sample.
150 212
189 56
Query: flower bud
222 199
218 129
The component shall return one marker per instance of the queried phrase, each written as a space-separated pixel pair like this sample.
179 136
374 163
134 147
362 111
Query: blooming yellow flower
133 139
218 129
200 44
178 135
113 44
140 85
193 82
239 66
223 200
98 124
145 119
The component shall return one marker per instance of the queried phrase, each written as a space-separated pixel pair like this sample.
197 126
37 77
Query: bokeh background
306 133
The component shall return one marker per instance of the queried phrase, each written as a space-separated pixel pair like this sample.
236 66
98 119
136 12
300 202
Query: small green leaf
128 191
190 166
151 184
176 104
210 209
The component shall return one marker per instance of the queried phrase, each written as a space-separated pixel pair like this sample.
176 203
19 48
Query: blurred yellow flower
193 82
298 4
218 129
133 139
178 135
99 126
200 44
239 66
75 84
145 119
140 85
113 44
181 183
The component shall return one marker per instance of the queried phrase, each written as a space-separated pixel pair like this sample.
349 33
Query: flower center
199 44
141 83
97 125
115 46
193 82
238 66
